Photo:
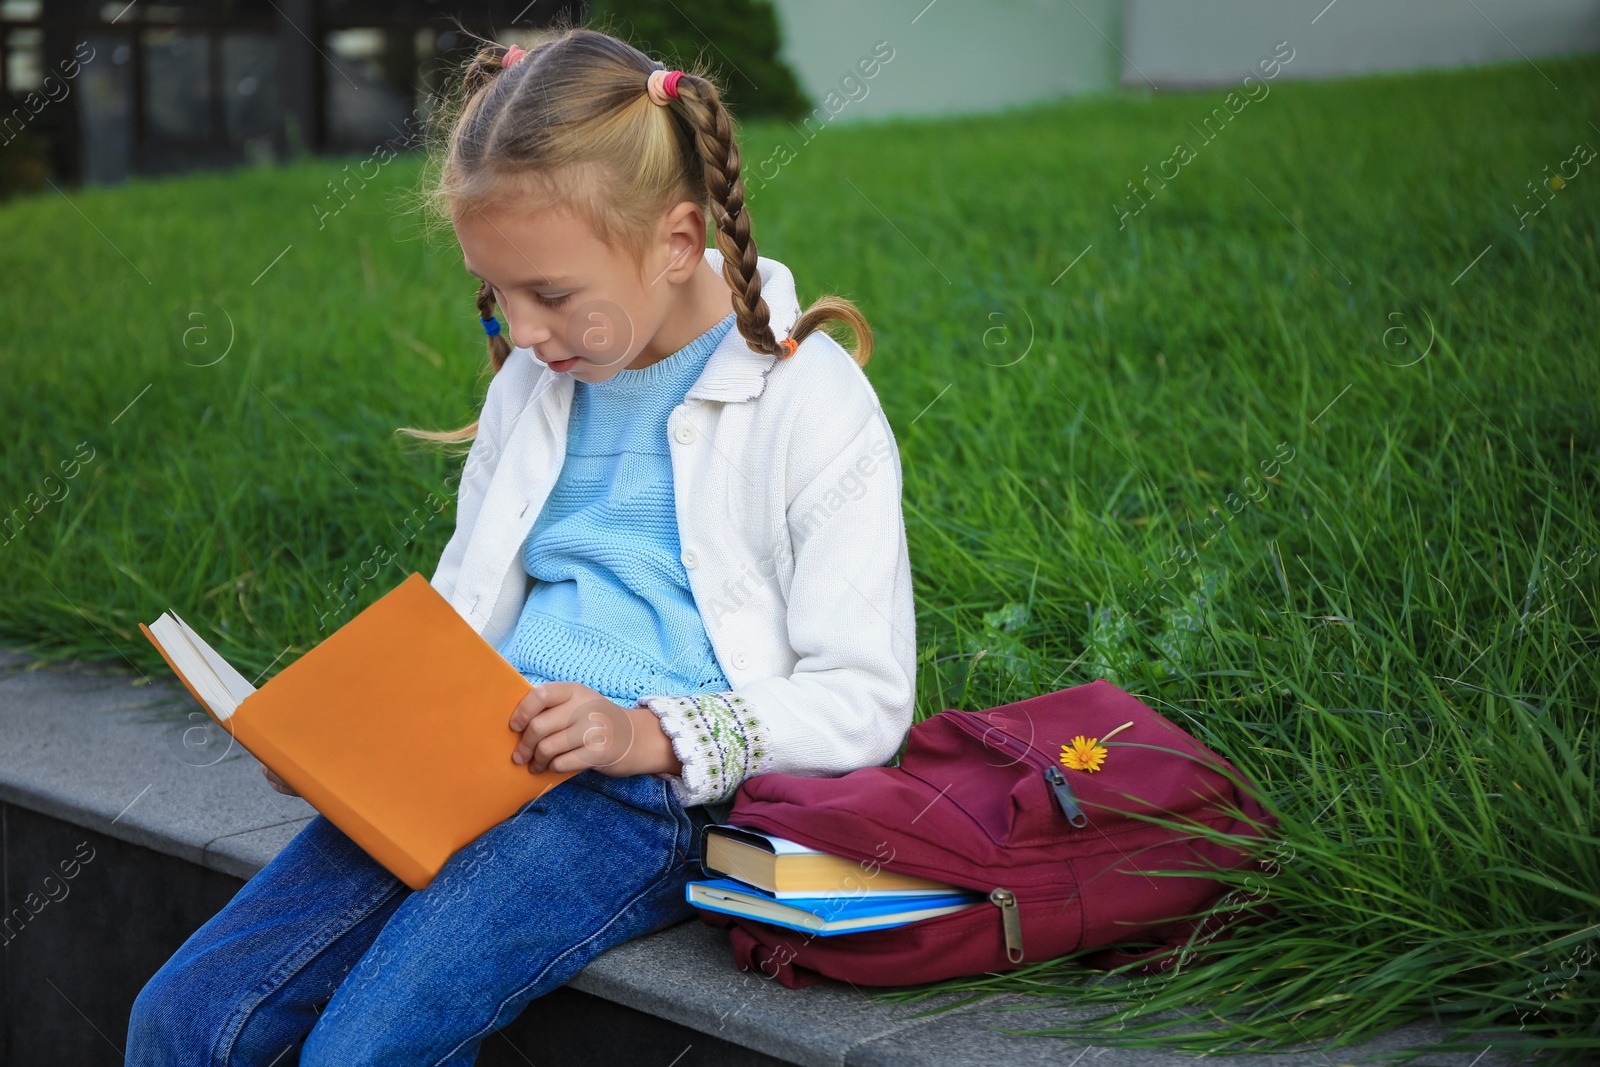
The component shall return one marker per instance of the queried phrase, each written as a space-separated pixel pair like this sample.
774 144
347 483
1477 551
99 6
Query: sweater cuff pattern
718 739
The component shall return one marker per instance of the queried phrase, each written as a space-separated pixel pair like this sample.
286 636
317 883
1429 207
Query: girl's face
582 307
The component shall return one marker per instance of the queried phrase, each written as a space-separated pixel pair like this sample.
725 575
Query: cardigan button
741 661
685 434
689 558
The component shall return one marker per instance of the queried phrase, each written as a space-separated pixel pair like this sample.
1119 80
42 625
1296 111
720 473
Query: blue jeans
326 951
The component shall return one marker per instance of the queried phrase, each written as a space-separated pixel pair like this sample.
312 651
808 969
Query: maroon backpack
983 800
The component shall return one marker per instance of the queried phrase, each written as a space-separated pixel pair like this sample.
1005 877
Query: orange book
394 727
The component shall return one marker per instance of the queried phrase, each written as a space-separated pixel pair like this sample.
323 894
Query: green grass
1395 634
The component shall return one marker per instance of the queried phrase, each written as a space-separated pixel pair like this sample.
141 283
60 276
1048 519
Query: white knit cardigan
787 483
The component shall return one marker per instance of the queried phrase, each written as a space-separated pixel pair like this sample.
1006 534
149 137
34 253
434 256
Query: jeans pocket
643 791
700 817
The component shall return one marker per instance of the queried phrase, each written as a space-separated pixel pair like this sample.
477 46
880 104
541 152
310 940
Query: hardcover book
395 727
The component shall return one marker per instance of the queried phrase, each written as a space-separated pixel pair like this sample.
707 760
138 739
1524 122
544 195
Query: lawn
1304 453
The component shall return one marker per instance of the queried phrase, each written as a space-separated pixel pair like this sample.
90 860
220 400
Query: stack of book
775 880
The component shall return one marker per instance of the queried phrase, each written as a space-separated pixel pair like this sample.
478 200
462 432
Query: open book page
221 687
232 680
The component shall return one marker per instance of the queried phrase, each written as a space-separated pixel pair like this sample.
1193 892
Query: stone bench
93 756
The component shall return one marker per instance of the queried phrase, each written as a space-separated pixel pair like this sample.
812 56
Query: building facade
99 91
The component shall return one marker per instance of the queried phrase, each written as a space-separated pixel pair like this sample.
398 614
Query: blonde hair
571 124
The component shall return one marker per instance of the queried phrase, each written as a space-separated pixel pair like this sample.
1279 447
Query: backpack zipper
1011 919
1063 792
1060 788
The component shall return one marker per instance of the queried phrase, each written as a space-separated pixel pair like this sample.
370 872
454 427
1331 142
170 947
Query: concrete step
179 817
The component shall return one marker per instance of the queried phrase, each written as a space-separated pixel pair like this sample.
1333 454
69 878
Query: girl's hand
277 783
566 726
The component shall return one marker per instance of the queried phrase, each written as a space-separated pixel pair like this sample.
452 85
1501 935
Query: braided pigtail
479 74
701 106
719 154
499 347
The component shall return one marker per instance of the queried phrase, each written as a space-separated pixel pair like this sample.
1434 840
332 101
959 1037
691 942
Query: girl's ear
683 236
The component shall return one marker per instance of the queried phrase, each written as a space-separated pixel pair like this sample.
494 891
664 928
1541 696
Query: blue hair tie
491 326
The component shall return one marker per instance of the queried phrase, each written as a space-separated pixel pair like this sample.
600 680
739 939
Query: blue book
837 913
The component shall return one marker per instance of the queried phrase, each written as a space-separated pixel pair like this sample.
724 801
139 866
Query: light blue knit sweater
612 607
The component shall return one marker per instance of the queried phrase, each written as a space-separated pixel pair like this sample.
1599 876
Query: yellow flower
1084 754
1087 754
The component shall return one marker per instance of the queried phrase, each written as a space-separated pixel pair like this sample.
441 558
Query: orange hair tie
788 344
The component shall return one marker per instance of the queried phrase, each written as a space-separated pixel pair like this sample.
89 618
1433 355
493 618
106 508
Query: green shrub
738 39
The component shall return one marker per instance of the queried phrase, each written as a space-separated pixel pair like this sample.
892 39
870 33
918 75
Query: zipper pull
1063 792
1006 901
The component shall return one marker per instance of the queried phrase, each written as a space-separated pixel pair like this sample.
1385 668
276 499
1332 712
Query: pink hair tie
512 55
663 85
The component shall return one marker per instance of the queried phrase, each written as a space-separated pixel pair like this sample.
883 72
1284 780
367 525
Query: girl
679 517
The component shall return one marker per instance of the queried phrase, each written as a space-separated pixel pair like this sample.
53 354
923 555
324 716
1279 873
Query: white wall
952 55
1189 42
